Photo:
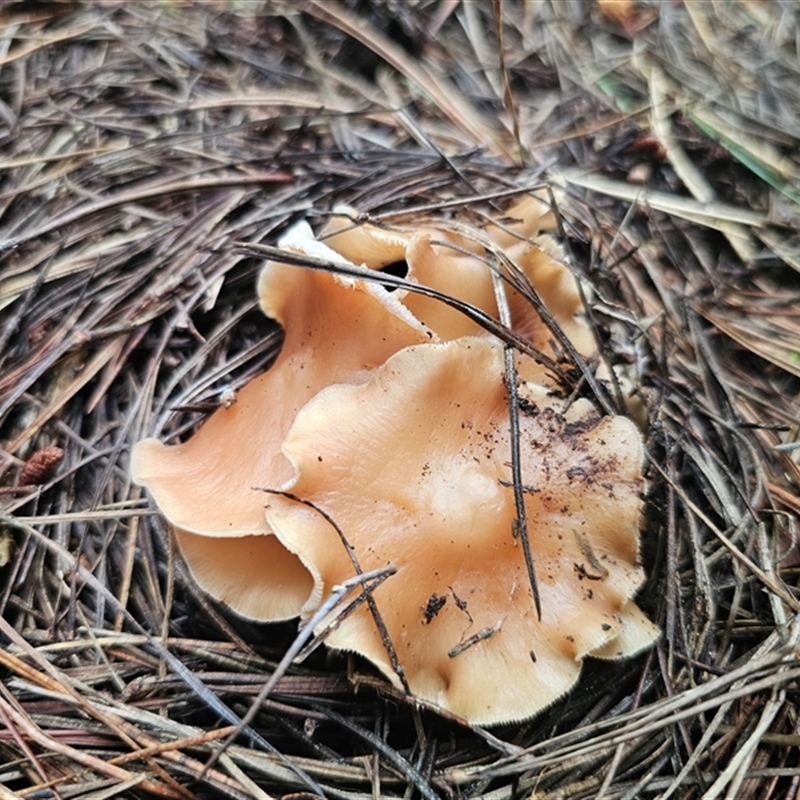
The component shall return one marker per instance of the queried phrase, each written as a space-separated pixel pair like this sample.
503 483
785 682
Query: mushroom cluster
383 433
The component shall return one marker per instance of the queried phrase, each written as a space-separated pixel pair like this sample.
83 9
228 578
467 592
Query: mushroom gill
432 495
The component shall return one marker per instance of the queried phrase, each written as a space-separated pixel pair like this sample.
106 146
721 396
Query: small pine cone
39 468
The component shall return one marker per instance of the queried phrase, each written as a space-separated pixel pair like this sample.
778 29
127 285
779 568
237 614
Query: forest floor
141 143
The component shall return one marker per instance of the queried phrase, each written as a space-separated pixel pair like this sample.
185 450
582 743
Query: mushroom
394 435
337 330
452 258
412 467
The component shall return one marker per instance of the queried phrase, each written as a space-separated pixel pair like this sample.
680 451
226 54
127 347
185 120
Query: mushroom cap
465 277
364 243
452 260
255 575
337 330
525 219
558 290
635 634
432 497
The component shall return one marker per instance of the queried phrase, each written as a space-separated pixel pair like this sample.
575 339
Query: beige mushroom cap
464 277
337 330
432 497
254 575
363 242
452 260
525 219
468 278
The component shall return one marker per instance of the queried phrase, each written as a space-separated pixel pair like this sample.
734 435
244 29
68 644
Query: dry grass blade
762 326
710 213
151 155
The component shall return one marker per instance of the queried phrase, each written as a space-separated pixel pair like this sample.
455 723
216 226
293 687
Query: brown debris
41 466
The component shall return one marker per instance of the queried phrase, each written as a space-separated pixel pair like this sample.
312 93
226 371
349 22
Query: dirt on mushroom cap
441 510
